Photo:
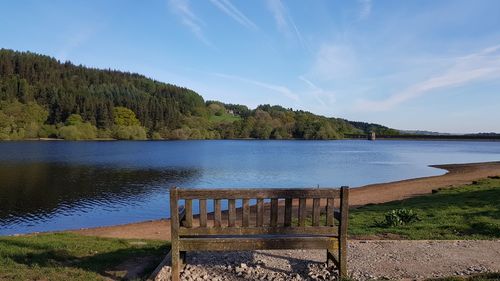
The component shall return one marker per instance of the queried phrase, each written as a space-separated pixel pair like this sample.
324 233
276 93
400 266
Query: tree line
41 97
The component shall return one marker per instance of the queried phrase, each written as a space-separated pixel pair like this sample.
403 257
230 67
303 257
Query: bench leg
176 263
342 258
331 258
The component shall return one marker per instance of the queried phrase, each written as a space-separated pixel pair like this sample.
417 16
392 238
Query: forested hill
41 97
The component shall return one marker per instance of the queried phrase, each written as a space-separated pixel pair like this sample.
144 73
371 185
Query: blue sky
430 65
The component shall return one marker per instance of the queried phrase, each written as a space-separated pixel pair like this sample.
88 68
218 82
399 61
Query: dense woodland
41 97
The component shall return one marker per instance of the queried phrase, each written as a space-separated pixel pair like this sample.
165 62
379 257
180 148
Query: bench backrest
252 220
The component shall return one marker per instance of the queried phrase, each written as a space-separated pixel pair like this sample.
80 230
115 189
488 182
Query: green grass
466 212
63 256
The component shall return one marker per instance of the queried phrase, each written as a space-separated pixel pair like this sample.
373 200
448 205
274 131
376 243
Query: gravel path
372 259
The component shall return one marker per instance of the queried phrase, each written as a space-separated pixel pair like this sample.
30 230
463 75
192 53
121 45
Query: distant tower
371 136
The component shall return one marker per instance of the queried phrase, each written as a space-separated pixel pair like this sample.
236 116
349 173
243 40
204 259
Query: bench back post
174 234
344 215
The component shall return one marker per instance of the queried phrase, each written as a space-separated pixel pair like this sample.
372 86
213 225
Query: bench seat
267 242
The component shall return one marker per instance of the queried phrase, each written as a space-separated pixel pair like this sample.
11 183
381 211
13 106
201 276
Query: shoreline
457 174
408 138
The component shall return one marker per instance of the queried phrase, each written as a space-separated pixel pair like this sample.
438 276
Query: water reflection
47 186
36 191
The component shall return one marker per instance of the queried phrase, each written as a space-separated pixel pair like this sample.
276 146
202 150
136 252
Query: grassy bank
65 256
466 212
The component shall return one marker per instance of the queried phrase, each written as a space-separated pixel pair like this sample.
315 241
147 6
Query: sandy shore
458 174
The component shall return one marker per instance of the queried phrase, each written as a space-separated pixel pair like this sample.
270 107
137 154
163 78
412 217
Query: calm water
63 185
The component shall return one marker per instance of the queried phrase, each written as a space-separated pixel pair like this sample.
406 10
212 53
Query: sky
416 65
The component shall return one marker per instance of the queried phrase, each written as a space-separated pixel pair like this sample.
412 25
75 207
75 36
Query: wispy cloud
334 61
230 10
73 42
479 66
183 9
284 21
324 97
365 8
275 88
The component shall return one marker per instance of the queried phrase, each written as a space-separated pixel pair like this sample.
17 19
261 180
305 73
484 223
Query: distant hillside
43 97
420 132
490 134
371 127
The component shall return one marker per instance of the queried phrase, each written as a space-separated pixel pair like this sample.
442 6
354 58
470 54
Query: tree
134 132
77 129
124 117
74 119
19 121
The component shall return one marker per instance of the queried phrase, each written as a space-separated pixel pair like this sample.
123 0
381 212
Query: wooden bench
273 222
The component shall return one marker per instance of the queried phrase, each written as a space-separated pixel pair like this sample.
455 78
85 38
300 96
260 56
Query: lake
57 185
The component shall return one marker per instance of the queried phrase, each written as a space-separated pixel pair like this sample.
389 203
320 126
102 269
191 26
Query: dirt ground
458 174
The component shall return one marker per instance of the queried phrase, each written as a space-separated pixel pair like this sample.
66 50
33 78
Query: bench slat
217 213
302 211
316 212
329 212
259 230
232 212
252 193
288 212
189 213
203 212
247 244
260 212
274 212
245 220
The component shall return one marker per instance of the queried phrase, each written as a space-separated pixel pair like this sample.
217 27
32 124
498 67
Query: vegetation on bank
63 256
466 212
41 97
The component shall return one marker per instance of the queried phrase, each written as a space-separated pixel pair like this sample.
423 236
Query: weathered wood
203 212
329 212
274 212
189 213
302 211
245 217
260 212
217 213
344 212
331 237
167 260
259 230
333 257
288 212
174 232
316 212
232 213
257 243
252 193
